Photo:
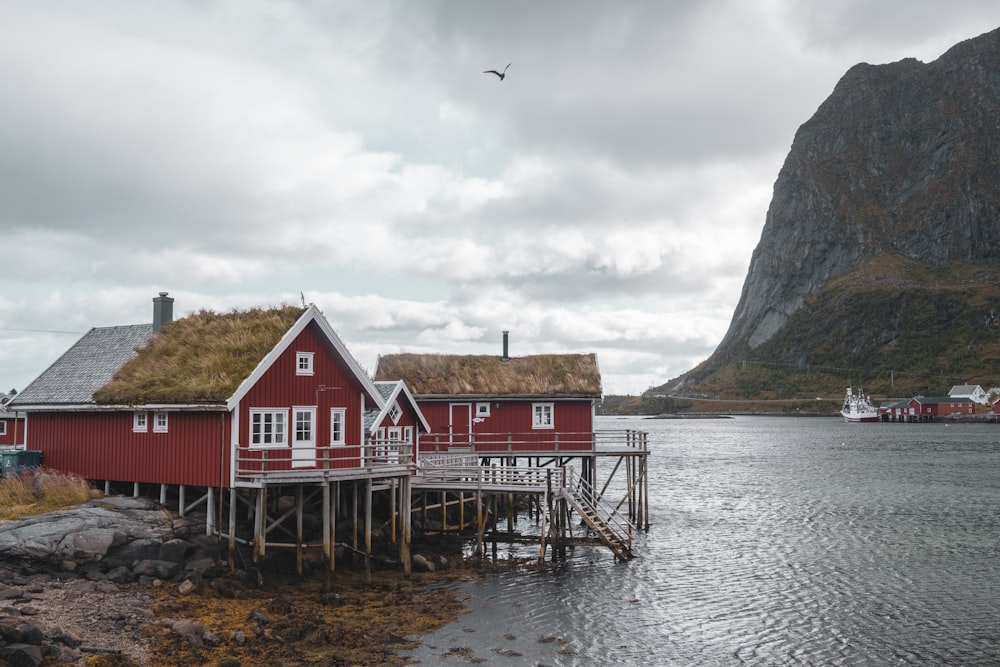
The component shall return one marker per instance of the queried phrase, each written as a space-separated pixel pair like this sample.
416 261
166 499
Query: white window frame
482 409
140 422
304 363
338 419
3 427
283 432
395 412
160 422
408 435
542 416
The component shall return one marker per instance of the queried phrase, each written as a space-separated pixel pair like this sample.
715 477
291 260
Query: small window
482 409
395 412
303 363
268 428
140 422
159 422
337 426
3 428
541 415
408 435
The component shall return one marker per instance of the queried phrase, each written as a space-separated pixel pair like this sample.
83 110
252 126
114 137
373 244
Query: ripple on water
775 542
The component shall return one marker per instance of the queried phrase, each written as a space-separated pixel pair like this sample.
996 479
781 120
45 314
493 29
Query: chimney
163 311
506 356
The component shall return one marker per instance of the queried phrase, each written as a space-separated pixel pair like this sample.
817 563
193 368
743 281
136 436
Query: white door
304 437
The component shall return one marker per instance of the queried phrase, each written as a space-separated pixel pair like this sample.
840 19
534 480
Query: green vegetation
200 358
896 327
41 491
454 374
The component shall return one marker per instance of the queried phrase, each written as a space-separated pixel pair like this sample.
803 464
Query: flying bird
499 74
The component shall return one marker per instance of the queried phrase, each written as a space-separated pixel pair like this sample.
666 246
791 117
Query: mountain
879 260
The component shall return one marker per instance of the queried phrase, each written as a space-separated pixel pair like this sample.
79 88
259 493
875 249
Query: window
541 415
408 434
482 409
159 422
337 426
268 428
139 422
303 426
395 412
3 428
303 363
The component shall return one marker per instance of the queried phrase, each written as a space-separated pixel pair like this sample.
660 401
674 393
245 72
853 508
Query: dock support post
298 529
327 549
259 520
368 526
232 529
181 503
404 523
210 511
135 489
163 494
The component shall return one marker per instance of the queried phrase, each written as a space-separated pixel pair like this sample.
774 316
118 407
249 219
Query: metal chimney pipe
163 311
506 356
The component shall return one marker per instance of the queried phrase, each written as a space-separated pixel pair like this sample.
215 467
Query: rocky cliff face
902 161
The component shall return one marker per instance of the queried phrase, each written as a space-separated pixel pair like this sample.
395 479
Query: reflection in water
774 541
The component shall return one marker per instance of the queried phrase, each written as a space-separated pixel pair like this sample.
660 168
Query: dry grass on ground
40 491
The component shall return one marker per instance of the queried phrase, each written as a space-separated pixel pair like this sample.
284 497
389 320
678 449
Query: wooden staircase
614 530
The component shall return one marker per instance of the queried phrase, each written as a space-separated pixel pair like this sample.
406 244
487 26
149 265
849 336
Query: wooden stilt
210 527
404 540
368 526
298 529
327 550
181 504
163 494
232 530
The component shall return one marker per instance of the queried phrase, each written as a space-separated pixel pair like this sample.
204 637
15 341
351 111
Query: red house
942 406
498 404
11 424
213 400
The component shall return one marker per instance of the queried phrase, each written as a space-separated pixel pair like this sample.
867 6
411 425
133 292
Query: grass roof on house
488 375
201 358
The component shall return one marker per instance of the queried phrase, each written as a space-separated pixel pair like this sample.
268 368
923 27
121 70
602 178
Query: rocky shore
119 582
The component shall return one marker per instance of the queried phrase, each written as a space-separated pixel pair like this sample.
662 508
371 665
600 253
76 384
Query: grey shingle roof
84 368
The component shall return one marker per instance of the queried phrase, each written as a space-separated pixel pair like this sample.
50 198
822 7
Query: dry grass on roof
537 375
200 358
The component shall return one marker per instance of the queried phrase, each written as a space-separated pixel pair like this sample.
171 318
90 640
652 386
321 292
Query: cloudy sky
604 197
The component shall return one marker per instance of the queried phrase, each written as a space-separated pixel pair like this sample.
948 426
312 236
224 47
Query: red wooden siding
572 424
12 432
102 446
332 385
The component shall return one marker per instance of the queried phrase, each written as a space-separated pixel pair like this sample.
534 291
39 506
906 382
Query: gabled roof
4 414
85 367
199 359
208 359
544 375
964 390
938 400
311 314
393 391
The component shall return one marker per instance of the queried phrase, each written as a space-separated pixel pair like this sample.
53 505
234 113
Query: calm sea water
775 541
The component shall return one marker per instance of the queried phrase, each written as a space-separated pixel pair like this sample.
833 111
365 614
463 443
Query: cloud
605 197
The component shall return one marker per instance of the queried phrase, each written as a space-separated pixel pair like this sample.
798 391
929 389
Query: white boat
858 407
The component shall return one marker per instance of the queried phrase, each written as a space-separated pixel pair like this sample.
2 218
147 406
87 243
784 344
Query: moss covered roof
486 375
201 358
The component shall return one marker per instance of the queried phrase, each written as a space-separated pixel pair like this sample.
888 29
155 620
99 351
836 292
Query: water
775 541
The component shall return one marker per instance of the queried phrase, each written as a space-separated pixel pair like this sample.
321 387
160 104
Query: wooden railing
284 462
535 441
486 477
